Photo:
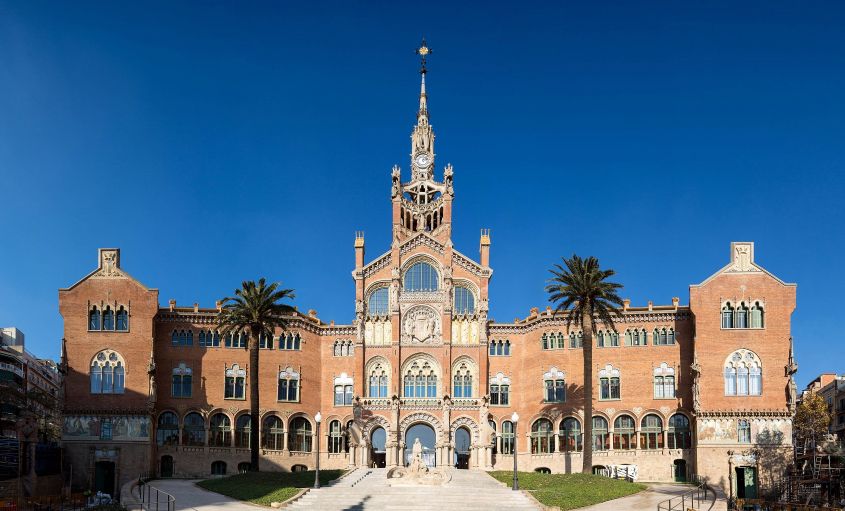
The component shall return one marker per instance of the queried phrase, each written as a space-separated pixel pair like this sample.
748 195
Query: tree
580 288
812 417
255 311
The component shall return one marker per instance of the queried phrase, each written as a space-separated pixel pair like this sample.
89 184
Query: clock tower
422 204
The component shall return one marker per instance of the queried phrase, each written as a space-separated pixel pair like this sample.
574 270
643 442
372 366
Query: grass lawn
266 487
570 491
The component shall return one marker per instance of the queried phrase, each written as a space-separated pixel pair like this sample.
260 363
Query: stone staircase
367 488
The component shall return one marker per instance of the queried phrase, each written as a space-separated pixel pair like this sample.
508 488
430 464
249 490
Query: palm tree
256 311
580 288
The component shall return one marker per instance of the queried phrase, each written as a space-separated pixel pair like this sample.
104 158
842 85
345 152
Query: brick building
700 389
831 387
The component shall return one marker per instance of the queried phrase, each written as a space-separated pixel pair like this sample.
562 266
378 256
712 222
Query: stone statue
357 409
417 465
696 385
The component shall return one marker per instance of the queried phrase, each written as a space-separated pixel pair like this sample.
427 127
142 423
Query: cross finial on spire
423 51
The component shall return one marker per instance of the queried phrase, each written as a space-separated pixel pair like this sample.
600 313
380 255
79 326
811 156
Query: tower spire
423 51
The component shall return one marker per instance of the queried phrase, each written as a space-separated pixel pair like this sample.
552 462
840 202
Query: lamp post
317 419
515 419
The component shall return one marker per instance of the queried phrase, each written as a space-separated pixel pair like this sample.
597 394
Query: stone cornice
708 414
381 262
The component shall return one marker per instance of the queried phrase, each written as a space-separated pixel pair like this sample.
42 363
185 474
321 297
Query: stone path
368 489
190 496
656 493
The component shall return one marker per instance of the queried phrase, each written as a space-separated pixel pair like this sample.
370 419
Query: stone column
285 442
557 441
489 458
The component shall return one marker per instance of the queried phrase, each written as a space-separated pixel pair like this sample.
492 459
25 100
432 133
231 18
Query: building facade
700 389
831 387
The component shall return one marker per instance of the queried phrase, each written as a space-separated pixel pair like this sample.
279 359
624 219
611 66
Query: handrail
153 499
690 499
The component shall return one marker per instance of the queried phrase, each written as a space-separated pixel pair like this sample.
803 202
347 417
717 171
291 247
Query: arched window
379 372
243 467
274 431
664 381
570 432
94 319
744 431
288 385
182 381
122 319
679 433
545 341
343 390
107 373
742 316
727 316
507 350
507 437
624 433
218 468
209 339
462 385
421 277
290 341
379 302
108 318
243 427
235 382
193 430
420 380
542 437
265 341
757 315
671 336
335 437
651 432
493 348
609 383
299 439
464 302
743 374
561 343
576 340
220 434
167 432
554 386
629 338
601 440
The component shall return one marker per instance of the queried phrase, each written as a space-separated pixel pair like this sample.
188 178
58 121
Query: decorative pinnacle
423 51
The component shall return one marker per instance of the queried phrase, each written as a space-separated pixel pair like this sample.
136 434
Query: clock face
422 160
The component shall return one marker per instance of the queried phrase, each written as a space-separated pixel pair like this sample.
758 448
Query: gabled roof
742 262
108 268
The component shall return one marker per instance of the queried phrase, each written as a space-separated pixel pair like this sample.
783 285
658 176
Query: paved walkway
190 496
656 493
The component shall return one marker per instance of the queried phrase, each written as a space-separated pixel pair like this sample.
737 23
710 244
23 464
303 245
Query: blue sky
219 141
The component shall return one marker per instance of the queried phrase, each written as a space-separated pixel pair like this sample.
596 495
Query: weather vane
423 51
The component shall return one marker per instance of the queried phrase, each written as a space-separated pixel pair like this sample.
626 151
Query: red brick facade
430 321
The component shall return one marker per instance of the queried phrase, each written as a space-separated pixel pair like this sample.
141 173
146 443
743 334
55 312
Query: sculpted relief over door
421 325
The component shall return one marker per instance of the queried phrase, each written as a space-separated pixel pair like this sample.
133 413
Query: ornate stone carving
466 263
421 325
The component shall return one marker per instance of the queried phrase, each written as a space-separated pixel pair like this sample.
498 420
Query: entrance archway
428 440
166 468
378 440
462 448
680 471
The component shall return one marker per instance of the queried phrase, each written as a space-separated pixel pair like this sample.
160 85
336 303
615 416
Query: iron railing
692 499
153 499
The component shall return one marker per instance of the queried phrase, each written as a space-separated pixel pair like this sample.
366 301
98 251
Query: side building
704 388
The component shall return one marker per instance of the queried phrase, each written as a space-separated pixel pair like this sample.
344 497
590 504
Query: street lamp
515 419
317 419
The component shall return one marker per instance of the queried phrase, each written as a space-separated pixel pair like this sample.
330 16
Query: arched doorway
104 477
680 471
462 446
166 468
378 440
427 438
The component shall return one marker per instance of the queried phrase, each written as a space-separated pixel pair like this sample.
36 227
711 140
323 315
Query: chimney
219 305
172 304
359 250
485 248
650 305
626 303
196 307
312 313
675 302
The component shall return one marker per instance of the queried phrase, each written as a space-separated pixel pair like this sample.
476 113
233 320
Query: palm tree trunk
587 349
253 401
